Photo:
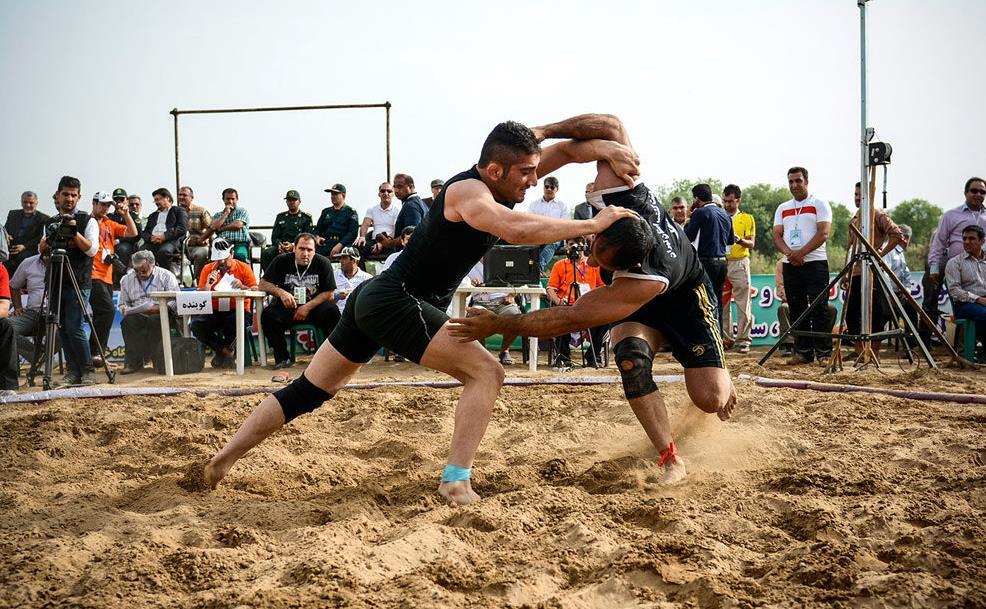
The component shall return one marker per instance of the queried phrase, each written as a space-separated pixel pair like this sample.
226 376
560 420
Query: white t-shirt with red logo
800 220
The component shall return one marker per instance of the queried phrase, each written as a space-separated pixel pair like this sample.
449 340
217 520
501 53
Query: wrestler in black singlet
404 307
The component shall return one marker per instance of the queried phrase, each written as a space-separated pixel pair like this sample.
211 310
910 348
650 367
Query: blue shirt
710 229
413 211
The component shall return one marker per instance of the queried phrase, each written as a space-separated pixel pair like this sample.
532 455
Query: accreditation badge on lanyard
795 238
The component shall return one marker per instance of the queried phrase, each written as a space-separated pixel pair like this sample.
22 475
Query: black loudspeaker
512 265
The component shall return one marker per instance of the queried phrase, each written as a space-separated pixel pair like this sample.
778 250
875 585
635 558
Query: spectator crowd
112 246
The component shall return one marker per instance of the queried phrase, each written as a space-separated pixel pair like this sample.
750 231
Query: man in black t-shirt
303 286
660 295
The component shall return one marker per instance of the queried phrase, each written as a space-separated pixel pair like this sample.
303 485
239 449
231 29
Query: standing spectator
9 368
165 229
232 224
571 278
679 212
141 323
583 211
947 242
24 230
801 227
125 246
784 310
711 232
79 251
349 276
199 231
738 270
218 330
287 226
101 294
966 277
382 218
303 286
550 206
338 225
436 187
27 318
886 236
413 210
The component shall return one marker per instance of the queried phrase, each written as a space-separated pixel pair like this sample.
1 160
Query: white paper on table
194 303
225 284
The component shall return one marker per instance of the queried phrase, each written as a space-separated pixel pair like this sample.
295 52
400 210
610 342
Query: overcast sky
735 90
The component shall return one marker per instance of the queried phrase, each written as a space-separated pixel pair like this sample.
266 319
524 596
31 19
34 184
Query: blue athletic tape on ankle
454 473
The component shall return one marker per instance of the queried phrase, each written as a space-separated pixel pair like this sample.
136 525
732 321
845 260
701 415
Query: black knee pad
635 358
299 397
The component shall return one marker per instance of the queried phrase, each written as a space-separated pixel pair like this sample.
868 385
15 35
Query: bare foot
674 471
458 493
201 476
727 409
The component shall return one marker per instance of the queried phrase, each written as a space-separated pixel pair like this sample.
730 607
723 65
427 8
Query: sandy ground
803 499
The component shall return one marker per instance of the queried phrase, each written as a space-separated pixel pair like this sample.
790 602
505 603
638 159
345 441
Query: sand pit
803 499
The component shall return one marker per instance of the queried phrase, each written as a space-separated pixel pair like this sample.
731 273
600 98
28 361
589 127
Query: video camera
575 250
60 232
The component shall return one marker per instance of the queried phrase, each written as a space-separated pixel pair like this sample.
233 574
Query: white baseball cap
102 197
221 250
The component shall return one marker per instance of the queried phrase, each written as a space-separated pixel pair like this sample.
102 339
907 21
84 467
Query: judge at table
218 330
141 323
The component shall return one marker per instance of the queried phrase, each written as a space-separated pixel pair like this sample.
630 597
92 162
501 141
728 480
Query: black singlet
441 252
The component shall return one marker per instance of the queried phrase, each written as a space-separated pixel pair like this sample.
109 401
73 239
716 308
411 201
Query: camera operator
77 234
571 278
101 295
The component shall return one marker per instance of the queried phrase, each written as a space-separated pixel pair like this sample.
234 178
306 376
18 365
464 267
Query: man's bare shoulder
467 189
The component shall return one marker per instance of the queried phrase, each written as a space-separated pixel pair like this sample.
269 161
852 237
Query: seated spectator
141 323
164 230
125 246
197 241
413 209
436 187
27 318
232 224
9 368
571 278
338 225
287 226
965 276
218 330
25 227
784 310
348 276
303 286
382 218
549 206
402 242
501 303
101 293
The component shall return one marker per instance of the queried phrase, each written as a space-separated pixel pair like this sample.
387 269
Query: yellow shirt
744 227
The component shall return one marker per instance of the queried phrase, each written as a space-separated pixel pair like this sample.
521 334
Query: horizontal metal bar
176 111
874 336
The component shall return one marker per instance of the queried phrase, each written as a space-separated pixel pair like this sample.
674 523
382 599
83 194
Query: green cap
336 188
119 192
293 194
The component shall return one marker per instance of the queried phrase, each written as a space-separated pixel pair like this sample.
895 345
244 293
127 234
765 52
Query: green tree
760 201
839 235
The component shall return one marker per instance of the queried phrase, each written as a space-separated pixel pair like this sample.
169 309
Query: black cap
119 192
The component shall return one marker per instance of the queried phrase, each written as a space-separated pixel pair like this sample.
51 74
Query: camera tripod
51 313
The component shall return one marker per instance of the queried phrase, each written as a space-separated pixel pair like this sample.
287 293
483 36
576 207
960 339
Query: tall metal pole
174 113
864 182
388 178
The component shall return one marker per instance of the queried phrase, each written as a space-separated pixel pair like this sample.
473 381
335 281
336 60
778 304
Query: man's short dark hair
407 179
163 192
732 189
702 192
69 182
507 142
968 183
189 189
301 236
630 239
407 231
230 191
679 199
975 228
551 181
800 170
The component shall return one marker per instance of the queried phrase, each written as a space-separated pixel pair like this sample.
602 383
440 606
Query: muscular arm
585 127
600 306
622 161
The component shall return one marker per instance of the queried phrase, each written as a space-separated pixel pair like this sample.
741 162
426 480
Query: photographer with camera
570 279
75 235
101 294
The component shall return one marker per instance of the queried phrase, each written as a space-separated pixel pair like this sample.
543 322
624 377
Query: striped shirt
800 221
241 235
966 277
